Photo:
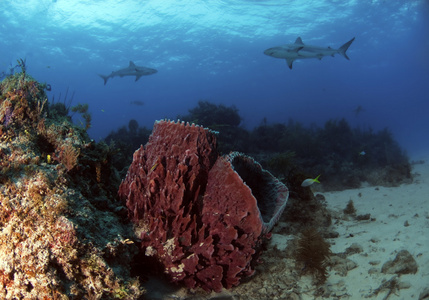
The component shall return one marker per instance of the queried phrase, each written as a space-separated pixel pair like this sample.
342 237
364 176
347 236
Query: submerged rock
404 263
55 243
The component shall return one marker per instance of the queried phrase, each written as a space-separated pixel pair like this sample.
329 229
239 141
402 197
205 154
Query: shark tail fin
104 77
344 48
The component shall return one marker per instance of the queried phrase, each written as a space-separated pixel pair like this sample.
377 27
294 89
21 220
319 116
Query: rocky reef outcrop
61 232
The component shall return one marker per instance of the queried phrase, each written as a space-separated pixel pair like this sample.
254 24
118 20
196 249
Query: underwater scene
196 150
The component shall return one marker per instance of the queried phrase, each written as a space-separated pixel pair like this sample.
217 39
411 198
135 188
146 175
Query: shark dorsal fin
299 41
132 65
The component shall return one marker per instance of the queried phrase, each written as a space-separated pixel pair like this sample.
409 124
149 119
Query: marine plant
83 110
313 253
68 156
350 208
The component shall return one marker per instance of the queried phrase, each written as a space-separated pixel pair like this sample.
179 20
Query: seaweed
83 110
313 252
350 208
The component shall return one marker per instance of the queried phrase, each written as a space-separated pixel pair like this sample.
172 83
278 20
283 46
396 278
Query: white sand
383 238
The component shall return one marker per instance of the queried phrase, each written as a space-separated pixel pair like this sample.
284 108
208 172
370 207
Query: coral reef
212 115
126 141
350 156
225 120
203 217
60 237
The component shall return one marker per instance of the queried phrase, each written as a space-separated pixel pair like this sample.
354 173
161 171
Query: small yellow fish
154 167
310 181
48 159
127 241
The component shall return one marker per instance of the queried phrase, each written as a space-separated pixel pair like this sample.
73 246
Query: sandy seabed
399 220
401 223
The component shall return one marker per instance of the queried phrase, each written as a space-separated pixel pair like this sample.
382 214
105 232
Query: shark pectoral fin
289 62
104 77
137 77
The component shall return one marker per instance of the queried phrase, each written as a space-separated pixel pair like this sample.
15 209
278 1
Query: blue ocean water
213 50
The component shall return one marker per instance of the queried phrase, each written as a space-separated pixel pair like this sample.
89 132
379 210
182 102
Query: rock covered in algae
59 237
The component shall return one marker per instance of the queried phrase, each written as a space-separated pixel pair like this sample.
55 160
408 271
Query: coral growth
83 110
213 116
345 156
127 140
192 210
59 235
225 120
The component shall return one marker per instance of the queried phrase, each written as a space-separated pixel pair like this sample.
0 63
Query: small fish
127 241
358 110
102 110
137 102
154 167
310 181
362 153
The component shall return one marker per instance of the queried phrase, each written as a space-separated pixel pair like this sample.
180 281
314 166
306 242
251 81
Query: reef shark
299 50
131 70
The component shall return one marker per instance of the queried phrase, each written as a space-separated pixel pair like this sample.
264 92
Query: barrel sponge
202 216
